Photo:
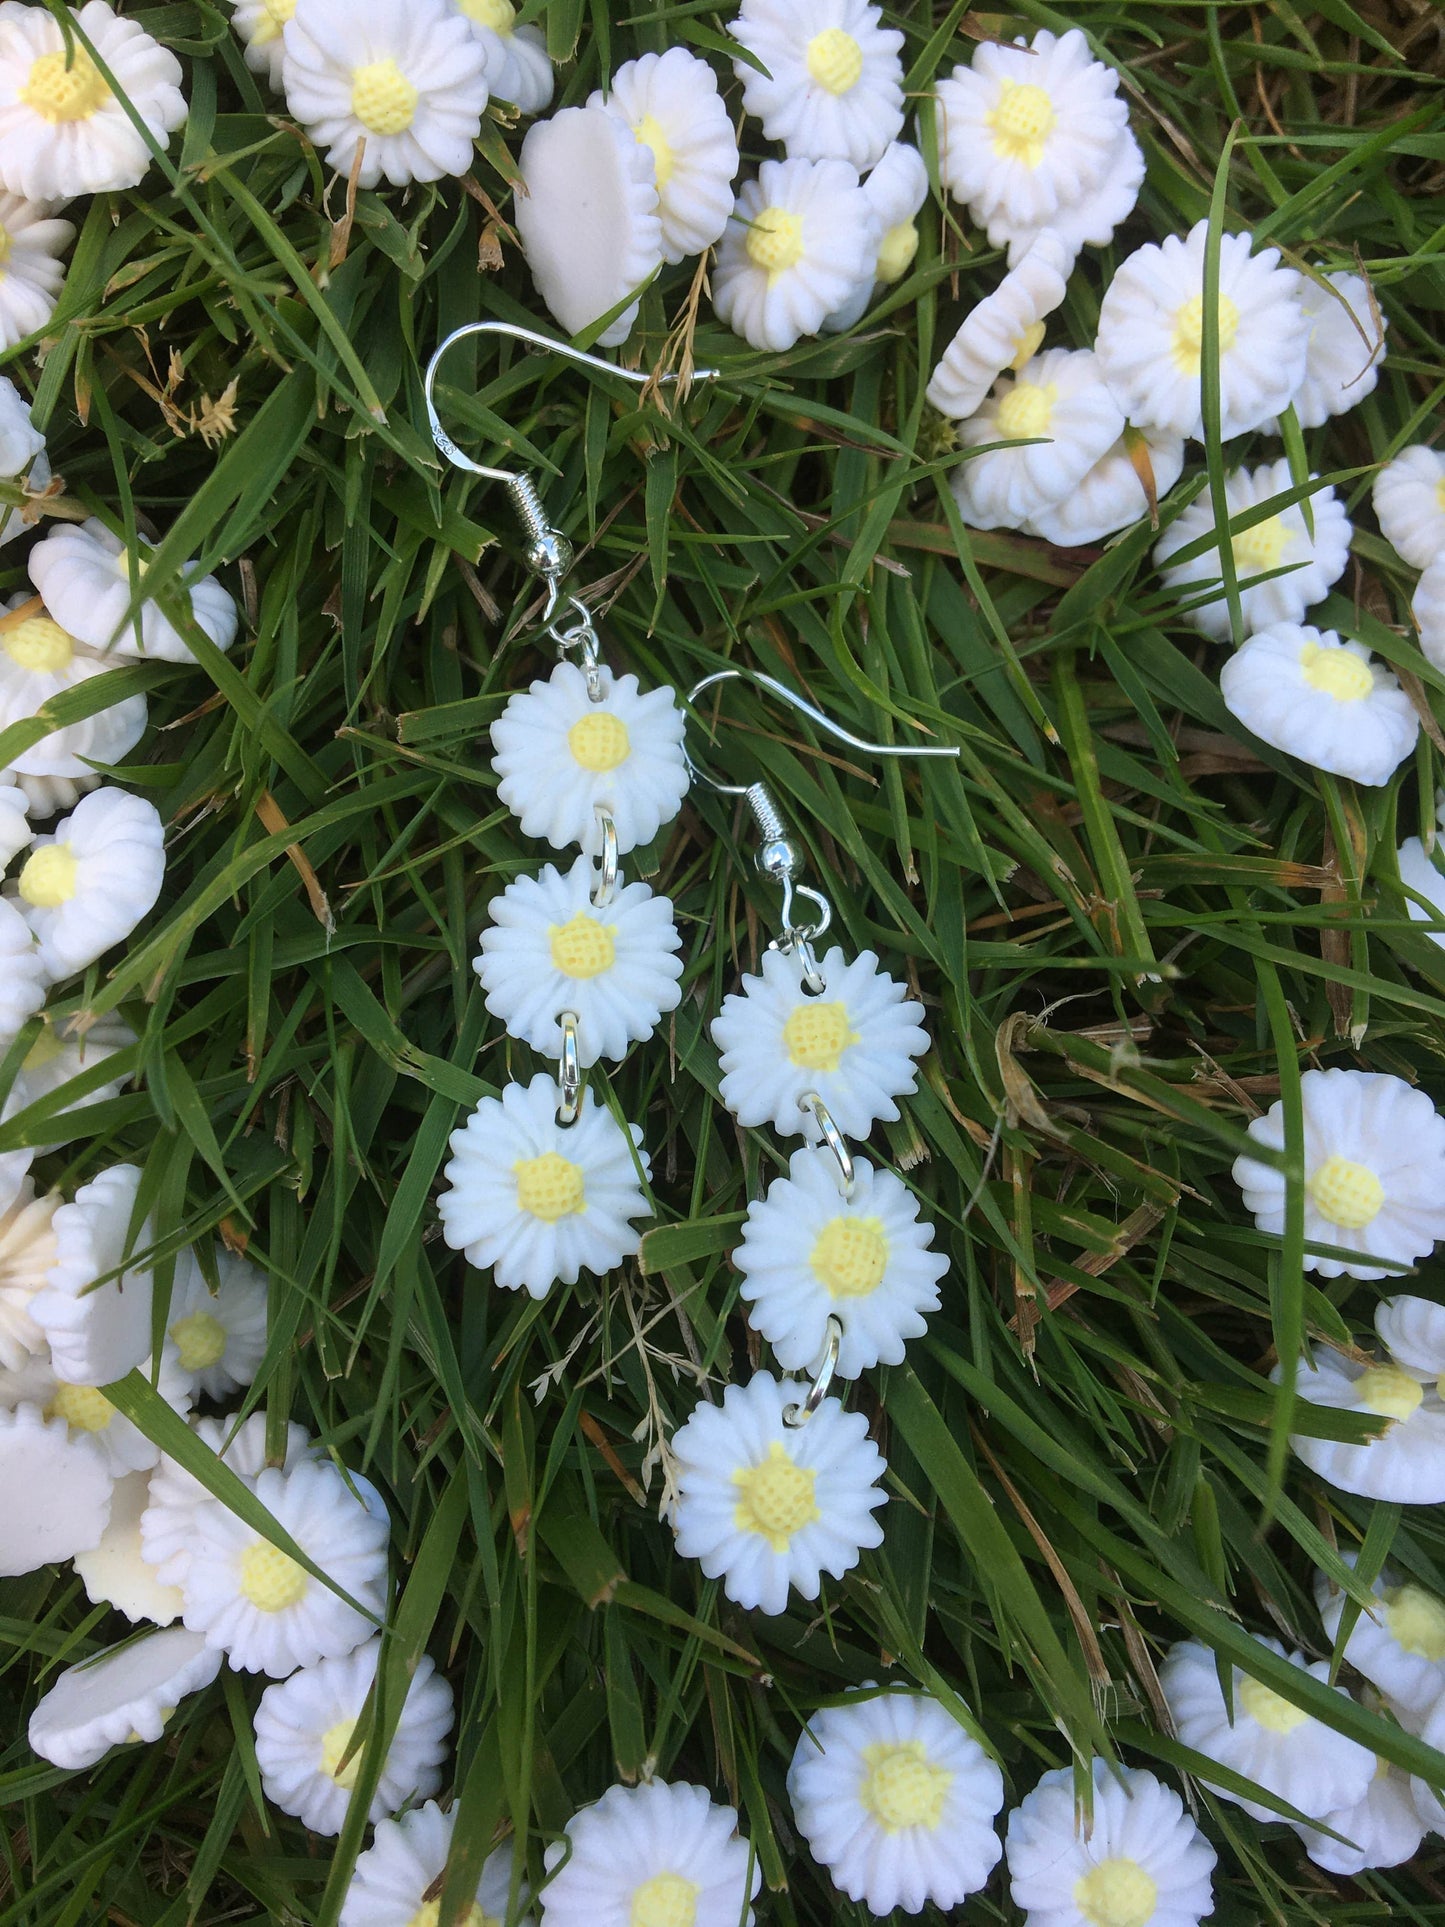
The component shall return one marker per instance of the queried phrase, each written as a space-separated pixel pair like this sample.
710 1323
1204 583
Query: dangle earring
779 1483
577 963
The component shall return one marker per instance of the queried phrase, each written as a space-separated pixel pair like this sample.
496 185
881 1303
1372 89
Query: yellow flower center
583 947
1415 1620
200 1341
6 244
1027 346
817 1034
1026 410
83 1408
648 133
1022 122
270 1578
895 257
1345 676
1116 1893
39 645
430 1912
549 1187
1188 340
903 1787
382 98
1267 1708
1262 547
599 741
775 1498
334 1742
496 14
1440 492
1348 1194
667 1900
274 15
835 60
775 240
1388 1392
48 879
850 1257
58 92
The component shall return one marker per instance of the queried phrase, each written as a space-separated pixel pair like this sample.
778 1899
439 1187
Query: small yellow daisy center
1027 346
58 92
382 98
6 244
48 879
82 1407
270 1578
549 1187
599 741
1022 122
430 1912
775 1498
903 1787
1268 1708
496 14
1388 1392
1188 339
1440 492
1026 410
1348 1194
895 256
835 60
817 1034
648 133
583 947
334 1742
667 1900
200 1340
1261 547
850 1257
1342 674
1415 1620
775 240
39 645
1116 1893
274 15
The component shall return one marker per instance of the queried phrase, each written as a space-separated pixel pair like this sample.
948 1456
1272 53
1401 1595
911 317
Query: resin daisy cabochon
125 1694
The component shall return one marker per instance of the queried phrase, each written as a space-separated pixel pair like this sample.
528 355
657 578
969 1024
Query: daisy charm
397 1879
653 1855
1315 696
832 88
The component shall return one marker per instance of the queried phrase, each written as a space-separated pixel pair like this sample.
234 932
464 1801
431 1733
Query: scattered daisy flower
1283 541
98 1332
1089 221
1405 1463
1308 693
1002 332
15 830
895 190
537 1202
38 661
304 1731
1418 872
31 274
654 1855
897 1801
561 757
90 1414
1413 1332
833 89
1151 334
396 1878
114 1573
63 1052
126 1693
167 1526
62 130
57 1491
763 1505
83 573
1050 424
261 25
1111 495
802 241
808 1254
257 1604
671 106
518 69
1398 1644
1409 502
219 1336
589 221
27 1251
1346 347
1282 1749
1385 1828
89 883
1427 606
1143 1860
23 976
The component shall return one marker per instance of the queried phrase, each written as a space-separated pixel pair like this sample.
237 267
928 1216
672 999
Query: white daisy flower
89 1413
261 25
671 106
1089 221
1398 1644
537 1202
83 573
1143 1863
561 757
168 1524
808 1254
23 976
64 1051
549 948
57 1491
402 82
853 1045
1282 541
114 1573
1409 502
833 89
1051 423
38 661
1405 1462
1427 606
802 241
763 1505
654 1855
1003 331
1282 1749
98 1332
305 1726
897 1801
896 189
1419 873
1413 1332
62 131
396 1879
126 1693
1385 1827
31 274
89 883
518 69
1429 1804
1111 495
257 1604
15 830
1346 347
27 1251
21 446
589 221
219 1336
1151 335
1308 693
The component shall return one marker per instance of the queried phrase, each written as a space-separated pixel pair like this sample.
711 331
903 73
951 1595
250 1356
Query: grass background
1132 931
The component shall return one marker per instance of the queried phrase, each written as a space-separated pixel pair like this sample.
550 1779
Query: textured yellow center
903 1788
835 60
6 244
817 1034
82 1407
1027 346
496 14
850 1257
895 256
1261 547
1440 492
334 1742
599 741
775 1498
382 98
270 1578
1026 410
1345 676
648 133
1268 1708
200 1340
39 645
58 92
430 1912
1388 1392
549 1187
1188 339
1348 1194
775 240
1022 122
48 879
583 947
274 15
667 1900
1116 1893
1415 1620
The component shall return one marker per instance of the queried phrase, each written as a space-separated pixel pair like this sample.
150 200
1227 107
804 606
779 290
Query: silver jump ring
834 1139
605 888
569 1071
796 1415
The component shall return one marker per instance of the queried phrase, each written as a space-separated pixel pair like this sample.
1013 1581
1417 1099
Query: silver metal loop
569 1071
605 888
796 1415
798 944
835 1141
